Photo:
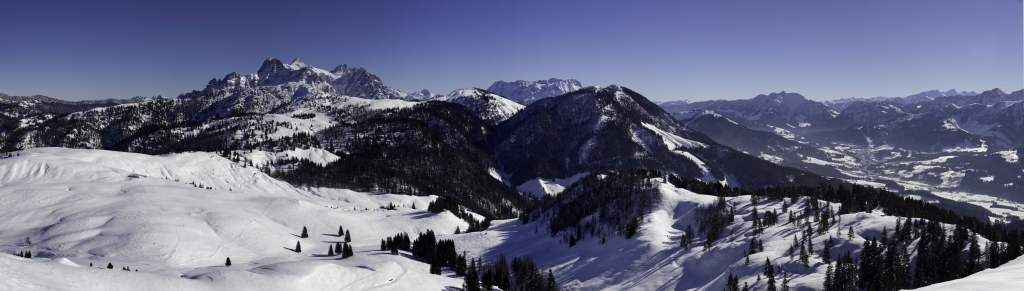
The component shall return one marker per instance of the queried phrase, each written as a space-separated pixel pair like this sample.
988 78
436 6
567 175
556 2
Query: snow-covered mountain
488 106
526 92
840 104
889 141
598 129
174 220
790 111
172 187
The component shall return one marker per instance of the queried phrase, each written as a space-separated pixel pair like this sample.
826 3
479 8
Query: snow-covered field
82 207
91 206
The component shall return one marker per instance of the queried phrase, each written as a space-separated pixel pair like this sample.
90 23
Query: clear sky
666 50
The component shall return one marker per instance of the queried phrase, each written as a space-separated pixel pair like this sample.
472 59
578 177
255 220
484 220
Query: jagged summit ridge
526 92
343 80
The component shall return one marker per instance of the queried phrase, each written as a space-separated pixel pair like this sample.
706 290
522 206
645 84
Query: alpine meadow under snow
298 178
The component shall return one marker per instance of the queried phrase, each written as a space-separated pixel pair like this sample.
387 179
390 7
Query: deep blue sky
667 50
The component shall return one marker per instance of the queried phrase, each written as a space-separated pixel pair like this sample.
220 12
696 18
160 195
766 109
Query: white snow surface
539 187
93 206
673 141
1006 277
486 105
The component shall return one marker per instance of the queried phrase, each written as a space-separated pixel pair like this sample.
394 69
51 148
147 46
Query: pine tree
457 229
732 283
435 267
804 257
746 287
298 247
471 282
829 284
348 236
341 230
227 263
337 248
849 233
785 281
769 272
110 266
304 233
383 245
330 250
552 284
826 253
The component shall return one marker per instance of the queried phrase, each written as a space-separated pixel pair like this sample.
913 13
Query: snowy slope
653 259
93 206
1006 277
488 106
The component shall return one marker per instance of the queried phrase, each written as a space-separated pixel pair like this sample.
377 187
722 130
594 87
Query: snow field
84 206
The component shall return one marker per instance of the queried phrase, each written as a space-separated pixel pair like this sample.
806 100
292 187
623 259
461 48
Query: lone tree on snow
304 233
298 247
228 262
348 236
341 230
110 266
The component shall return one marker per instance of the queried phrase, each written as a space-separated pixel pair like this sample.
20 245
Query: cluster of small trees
523 275
599 206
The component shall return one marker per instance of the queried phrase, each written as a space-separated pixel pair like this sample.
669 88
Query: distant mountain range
590 180
878 139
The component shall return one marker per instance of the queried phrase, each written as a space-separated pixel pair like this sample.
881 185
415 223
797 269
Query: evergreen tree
769 272
488 279
383 245
826 253
471 282
304 233
330 250
829 284
348 236
298 247
732 283
435 267
785 281
228 262
337 248
341 230
804 257
110 266
552 284
460 265
973 256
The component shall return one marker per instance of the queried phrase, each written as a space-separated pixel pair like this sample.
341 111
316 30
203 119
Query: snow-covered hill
91 206
151 214
526 92
488 106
